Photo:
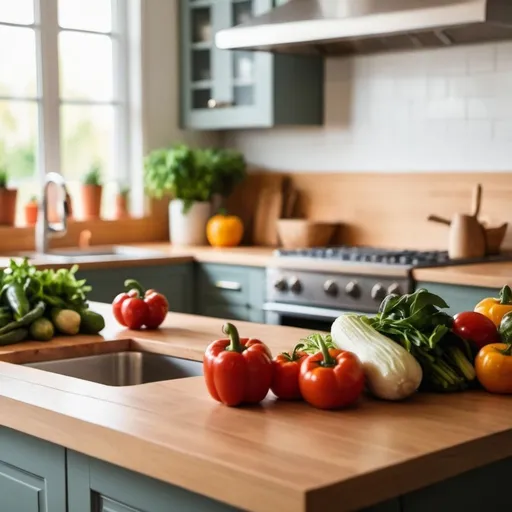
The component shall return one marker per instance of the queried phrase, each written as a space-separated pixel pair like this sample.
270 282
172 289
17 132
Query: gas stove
320 283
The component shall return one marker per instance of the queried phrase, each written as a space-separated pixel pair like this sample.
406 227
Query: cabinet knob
218 104
331 288
295 285
352 289
280 284
378 292
394 289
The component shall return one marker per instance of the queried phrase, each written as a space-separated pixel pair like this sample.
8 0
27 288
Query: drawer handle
228 285
212 104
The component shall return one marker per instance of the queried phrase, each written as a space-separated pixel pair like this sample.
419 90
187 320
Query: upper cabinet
224 89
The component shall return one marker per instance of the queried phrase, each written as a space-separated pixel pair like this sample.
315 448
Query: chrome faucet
44 228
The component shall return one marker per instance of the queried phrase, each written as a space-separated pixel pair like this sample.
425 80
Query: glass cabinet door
223 88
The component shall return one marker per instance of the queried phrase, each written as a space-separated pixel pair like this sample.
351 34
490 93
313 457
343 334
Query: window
68 94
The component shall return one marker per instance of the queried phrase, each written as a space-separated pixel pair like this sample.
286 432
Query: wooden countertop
164 254
488 275
491 275
278 456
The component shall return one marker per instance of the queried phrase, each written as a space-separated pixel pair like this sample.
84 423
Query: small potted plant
31 210
92 190
122 198
181 173
7 200
229 169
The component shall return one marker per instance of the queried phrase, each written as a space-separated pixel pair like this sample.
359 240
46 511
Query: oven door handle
296 310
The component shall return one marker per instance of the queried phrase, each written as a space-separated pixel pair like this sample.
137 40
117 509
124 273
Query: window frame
127 92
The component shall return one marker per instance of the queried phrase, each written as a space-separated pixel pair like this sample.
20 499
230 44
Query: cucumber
41 330
91 322
14 336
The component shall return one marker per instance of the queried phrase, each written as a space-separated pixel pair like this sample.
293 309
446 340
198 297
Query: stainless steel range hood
334 27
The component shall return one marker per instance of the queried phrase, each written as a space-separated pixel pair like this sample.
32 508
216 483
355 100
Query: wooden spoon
439 220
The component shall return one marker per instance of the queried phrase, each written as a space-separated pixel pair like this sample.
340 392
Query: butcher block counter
279 456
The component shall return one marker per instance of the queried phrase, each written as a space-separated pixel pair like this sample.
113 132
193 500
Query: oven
313 299
306 317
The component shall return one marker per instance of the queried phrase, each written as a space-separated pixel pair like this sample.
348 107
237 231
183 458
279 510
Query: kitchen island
168 446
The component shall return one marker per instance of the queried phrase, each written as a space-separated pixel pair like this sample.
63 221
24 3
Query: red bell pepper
237 370
331 379
137 308
285 380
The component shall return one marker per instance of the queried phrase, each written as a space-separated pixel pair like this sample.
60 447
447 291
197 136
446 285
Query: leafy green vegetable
311 344
56 288
416 322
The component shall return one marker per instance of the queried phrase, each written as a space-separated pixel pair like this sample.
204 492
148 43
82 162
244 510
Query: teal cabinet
32 474
176 282
95 486
231 292
222 90
459 298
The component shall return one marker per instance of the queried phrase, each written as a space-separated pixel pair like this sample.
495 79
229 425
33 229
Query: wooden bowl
494 238
303 233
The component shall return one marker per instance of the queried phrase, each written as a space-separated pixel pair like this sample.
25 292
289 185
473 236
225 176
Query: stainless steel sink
126 368
103 253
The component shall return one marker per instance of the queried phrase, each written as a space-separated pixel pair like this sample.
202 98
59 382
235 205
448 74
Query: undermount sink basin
124 368
103 253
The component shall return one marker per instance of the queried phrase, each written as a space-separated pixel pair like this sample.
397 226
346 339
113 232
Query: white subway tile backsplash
443 109
504 57
481 59
503 130
437 87
449 108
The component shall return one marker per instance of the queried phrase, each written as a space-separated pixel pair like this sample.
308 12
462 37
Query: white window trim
127 95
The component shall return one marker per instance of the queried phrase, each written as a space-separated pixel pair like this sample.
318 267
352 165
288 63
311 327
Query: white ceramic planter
188 228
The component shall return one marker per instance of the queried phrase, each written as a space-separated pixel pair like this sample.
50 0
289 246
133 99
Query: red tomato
475 327
135 312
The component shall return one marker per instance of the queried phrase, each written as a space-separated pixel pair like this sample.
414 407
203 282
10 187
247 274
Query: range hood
338 27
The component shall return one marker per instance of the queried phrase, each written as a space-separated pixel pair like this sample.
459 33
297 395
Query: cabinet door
459 298
223 89
95 486
174 281
32 474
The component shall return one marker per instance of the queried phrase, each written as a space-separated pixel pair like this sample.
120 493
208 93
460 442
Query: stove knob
280 284
352 289
295 285
378 292
331 288
394 289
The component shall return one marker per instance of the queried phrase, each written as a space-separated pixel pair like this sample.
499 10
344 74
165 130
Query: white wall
446 109
161 75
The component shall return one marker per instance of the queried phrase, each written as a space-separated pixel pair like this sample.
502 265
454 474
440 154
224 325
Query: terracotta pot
121 207
31 210
91 201
7 206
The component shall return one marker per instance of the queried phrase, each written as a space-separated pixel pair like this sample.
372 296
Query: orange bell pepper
493 366
496 308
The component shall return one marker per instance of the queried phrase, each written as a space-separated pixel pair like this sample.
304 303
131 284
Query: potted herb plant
31 211
181 173
7 200
229 169
122 202
92 190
